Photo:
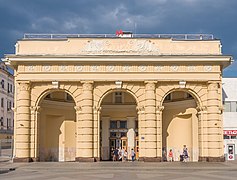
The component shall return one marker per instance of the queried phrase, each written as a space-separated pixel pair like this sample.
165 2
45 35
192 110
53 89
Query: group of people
183 157
120 154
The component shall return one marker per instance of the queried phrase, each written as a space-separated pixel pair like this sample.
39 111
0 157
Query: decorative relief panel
142 68
110 68
78 68
46 68
174 68
208 68
135 46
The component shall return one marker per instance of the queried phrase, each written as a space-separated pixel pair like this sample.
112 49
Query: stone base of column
35 159
85 159
211 159
97 159
23 160
150 159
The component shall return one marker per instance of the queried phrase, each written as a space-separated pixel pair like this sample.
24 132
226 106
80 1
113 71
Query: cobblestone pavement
118 170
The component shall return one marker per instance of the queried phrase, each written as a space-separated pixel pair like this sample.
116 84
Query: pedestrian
116 154
113 155
171 157
122 154
185 154
164 155
133 154
125 155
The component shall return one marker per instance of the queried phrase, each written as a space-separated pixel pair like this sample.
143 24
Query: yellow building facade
80 97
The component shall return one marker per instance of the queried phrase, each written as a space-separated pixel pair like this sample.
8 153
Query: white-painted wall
230 118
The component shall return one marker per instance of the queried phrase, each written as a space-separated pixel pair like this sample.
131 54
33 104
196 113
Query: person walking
125 155
171 157
133 154
185 154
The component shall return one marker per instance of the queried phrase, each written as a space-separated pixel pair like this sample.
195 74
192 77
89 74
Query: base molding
85 159
22 160
150 159
211 159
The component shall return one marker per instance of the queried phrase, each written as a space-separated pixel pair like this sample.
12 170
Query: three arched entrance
119 125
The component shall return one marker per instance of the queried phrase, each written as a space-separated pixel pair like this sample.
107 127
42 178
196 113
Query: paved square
118 170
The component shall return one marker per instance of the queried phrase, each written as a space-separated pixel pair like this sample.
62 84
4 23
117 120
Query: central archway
118 124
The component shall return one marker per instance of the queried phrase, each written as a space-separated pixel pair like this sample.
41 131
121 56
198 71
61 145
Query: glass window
113 124
226 137
227 106
2 82
123 124
232 106
112 134
1 121
233 137
118 97
123 134
2 102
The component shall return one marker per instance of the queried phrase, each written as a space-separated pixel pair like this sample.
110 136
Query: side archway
180 125
56 126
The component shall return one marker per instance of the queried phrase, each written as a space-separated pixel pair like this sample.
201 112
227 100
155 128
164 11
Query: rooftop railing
161 36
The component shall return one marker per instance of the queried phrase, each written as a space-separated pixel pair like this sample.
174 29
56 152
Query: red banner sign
230 132
119 32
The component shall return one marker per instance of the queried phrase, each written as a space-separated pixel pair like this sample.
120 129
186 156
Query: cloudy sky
217 17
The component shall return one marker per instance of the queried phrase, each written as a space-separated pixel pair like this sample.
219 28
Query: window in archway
118 97
168 97
122 124
178 96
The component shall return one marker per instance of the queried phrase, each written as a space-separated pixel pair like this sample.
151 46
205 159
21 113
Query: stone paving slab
118 170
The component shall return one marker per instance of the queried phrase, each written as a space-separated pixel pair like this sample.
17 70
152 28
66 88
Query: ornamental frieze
117 68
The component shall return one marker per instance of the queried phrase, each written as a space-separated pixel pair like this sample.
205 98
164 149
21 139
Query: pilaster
159 111
202 133
141 131
35 112
96 133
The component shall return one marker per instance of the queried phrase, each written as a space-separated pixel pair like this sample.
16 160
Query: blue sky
217 17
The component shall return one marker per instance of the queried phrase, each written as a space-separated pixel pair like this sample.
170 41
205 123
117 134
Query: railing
162 36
